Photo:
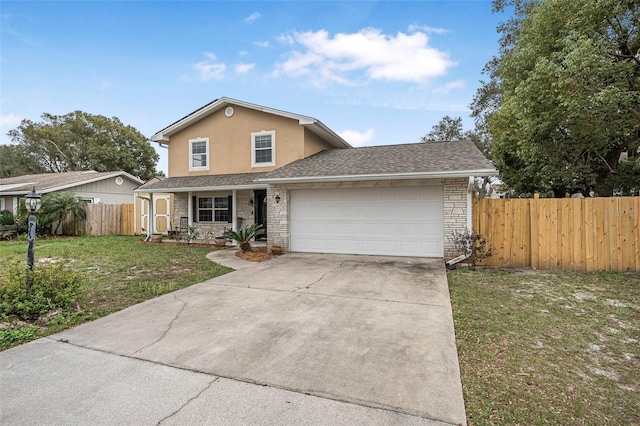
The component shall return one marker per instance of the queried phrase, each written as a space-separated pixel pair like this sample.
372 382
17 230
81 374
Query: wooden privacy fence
103 219
580 234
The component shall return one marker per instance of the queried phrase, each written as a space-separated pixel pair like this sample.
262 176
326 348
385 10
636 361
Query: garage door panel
404 221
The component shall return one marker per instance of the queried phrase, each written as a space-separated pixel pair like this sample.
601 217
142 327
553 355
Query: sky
376 73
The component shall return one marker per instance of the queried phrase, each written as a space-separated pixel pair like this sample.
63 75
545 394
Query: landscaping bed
547 347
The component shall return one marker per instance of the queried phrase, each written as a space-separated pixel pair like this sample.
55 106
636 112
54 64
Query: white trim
205 188
470 204
271 133
193 168
382 176
151 227
165 134
234 210
190 212
2 204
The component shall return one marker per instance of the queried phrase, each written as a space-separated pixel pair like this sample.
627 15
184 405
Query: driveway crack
167 417
323 275
184 305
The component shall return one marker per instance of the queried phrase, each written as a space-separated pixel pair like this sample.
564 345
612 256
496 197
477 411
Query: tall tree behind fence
103 219
590 234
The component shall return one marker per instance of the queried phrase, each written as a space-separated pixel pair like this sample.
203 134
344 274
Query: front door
260 210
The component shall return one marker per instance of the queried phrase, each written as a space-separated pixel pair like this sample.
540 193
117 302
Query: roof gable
316 126
51 182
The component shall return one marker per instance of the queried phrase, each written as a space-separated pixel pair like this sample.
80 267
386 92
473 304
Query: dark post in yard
32 203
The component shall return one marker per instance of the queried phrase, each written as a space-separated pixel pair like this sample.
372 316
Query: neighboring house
232 163
91 186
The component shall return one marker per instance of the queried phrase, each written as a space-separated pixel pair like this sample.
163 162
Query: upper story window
199 154
263 149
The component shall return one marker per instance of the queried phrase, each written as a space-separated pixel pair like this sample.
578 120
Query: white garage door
403 221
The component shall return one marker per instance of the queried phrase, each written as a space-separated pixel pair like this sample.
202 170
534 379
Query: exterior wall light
277 198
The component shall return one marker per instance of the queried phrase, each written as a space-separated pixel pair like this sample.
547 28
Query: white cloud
287 39
448 87
261 43
244 68
251 18
343 58
356 138
8 122
426 29
210 71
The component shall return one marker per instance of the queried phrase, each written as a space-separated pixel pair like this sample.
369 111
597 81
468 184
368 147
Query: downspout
451 264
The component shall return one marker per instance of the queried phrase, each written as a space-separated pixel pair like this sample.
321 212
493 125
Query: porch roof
204 183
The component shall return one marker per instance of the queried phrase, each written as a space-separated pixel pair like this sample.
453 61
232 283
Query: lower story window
205 209
213 209
221 209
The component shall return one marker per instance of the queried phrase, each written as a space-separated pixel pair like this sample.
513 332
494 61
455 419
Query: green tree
563 101
447 129
451 129
82 141
56 207
12 162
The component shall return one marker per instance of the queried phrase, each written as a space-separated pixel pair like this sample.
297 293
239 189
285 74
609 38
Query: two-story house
233 163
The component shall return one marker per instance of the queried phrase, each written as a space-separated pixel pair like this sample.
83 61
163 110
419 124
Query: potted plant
276 250
220 241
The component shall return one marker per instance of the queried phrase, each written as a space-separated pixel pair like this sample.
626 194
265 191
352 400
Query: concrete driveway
299 339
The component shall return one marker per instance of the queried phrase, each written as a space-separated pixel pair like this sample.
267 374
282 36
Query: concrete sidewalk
303 339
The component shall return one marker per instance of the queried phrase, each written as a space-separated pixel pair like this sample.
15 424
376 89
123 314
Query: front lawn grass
118 272
548 347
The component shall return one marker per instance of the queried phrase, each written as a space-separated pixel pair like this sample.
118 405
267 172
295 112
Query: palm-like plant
55 207
244 235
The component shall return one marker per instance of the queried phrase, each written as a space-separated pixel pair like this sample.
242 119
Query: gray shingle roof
418 158
47 182
204 181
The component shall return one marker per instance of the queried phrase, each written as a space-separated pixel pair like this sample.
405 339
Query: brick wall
278 217
455 212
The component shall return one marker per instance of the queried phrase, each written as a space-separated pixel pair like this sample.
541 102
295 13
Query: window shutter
194 208
230 209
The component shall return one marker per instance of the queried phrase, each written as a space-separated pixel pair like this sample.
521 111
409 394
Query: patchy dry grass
541 347
118 272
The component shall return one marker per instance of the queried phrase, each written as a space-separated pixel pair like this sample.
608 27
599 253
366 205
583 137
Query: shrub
6 218
244 235
53 287
57 206
14 336
475 245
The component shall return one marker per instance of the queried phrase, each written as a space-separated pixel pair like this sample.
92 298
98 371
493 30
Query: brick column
455 212
278 217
